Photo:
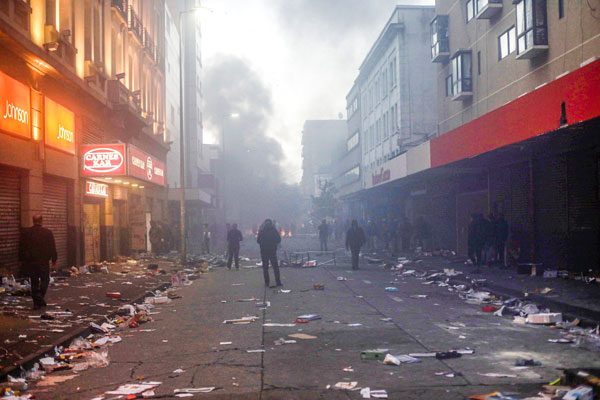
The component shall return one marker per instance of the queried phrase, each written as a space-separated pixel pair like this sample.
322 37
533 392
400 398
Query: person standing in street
355 239
206 236
501 237
323 235
234 237
36 249
268 239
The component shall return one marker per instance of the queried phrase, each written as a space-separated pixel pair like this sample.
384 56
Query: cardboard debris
302 336
345 385
240 321
134 388
196 390
545 318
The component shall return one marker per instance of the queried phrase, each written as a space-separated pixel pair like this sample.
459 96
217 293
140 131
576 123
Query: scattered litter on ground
302 336
391 289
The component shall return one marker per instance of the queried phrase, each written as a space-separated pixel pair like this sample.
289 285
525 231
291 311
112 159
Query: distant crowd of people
392 234
487 241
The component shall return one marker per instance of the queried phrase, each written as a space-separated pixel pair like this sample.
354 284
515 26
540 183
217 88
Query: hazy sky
305 52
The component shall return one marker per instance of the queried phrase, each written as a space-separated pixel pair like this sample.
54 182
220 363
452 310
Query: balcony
532 28
462 75
121 8
149 46
487 9
440 41
135 25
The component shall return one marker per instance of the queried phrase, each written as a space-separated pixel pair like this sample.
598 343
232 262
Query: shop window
507 43
462 77
440 43
532 29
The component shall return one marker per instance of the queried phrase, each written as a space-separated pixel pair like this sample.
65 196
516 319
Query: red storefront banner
103 159
535 113
145 166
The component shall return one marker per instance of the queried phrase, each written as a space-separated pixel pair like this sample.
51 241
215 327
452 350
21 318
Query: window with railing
462 74
440 43
532 29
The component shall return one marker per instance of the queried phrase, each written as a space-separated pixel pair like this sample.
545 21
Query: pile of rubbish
90 351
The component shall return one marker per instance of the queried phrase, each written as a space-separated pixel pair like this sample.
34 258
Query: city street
356 314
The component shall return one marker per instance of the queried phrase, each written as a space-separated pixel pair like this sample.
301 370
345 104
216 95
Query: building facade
518 105
82 141
185 17
321 141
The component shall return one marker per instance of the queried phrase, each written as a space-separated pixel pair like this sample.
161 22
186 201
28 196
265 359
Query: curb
28 361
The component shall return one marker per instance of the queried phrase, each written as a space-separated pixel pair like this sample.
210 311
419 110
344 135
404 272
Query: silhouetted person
355 239
501 237
323 235
36 249
206 236
234 237
406 233
268 239
156 237
476 239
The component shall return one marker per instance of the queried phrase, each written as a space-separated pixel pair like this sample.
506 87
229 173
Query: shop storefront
122 219
15 130
94 213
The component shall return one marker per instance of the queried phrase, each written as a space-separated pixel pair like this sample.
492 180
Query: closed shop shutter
519 218
55 215
584 207
10 220
91 132
551 227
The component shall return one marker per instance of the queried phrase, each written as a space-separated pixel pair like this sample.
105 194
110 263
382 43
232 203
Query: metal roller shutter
10 220
55 215
551 216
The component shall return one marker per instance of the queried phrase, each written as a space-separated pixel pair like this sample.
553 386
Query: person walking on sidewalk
355 239
323 235
268 239
234 237
37 248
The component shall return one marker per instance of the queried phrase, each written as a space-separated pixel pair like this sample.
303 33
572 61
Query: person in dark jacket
234 237
268 239
323 235
355 239
36 249
501 237
474 239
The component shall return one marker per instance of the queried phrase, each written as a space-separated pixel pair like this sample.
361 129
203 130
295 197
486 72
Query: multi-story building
82 138
392 108
347 169
320 152
518 84
185 17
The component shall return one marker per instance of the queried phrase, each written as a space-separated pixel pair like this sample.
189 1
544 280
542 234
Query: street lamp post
224 117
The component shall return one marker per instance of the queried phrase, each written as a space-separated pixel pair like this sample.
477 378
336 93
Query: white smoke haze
254 188
306 53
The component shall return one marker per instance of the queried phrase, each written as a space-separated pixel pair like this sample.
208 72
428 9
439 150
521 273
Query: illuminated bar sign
60 127
103 159
15 107
96 189
145 166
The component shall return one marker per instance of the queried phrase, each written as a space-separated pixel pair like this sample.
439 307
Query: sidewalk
574 298
73 303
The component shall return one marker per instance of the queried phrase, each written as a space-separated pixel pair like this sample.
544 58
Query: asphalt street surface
357 314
